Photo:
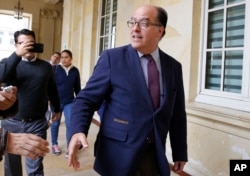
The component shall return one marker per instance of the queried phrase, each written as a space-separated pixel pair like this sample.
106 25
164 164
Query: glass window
8 26
107 32
225 57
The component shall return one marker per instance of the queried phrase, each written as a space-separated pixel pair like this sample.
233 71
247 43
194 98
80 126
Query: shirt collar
154 54
27 60
66 68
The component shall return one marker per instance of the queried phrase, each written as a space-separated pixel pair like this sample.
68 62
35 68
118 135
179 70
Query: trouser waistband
26 119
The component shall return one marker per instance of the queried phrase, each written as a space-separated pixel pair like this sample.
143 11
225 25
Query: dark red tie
153 81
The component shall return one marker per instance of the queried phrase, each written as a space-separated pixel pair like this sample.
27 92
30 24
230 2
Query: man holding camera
34 79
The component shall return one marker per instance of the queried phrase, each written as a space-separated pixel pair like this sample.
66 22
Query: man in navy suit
132 136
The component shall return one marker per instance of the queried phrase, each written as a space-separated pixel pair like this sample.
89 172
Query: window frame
17 27
238 101
112 32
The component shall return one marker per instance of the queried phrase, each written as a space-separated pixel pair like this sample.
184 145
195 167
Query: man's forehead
140 18
25 36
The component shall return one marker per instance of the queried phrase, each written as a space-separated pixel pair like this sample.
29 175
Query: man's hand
23 48
77 140
7 98
28 145
56 116
178 166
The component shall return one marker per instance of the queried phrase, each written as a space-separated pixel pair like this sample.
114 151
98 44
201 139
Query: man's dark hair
24 32
162 17
67 51
56 52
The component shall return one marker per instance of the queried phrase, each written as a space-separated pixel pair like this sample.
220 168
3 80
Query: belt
26 120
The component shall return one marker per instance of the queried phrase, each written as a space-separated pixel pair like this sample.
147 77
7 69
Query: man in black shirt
34 79
25 144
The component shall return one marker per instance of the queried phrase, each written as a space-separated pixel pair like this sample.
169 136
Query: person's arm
8 68
77 86
178 126
28 145
53 94
8 65
54 98
3 141
77 141
8 103
86 103
10 111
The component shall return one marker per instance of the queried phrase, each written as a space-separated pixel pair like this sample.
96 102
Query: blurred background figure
68 84
55 58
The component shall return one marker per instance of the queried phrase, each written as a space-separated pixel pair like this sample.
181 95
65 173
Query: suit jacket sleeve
53 93
89 99
8 68
178 126
77 86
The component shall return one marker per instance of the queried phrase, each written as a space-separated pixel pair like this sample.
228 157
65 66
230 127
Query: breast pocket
114 134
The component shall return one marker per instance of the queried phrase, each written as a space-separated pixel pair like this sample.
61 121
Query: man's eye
143 23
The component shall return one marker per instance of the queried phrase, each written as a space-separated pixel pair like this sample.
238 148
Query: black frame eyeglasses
142 24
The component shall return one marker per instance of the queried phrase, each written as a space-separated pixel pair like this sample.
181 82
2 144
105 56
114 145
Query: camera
37 48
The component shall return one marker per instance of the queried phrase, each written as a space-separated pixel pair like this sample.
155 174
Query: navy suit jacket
128 116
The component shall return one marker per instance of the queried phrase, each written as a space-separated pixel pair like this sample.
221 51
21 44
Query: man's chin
135 45
30 55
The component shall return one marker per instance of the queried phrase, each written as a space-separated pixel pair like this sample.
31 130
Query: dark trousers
148 165
13 163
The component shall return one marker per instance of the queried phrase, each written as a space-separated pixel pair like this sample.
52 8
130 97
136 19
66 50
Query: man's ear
161 30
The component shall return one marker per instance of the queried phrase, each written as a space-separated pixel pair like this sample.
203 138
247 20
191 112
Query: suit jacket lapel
165 72
136 69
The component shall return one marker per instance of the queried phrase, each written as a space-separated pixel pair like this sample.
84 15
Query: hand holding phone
7 89
7 99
